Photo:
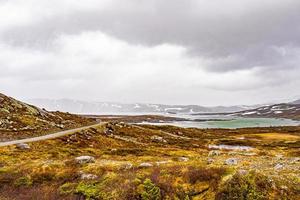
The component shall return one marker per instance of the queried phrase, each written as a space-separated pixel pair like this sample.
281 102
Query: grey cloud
255 39
207 32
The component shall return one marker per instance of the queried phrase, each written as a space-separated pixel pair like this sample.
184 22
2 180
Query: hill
284 110
296 102
18 119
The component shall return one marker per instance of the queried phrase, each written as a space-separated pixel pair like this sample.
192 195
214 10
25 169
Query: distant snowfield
85 107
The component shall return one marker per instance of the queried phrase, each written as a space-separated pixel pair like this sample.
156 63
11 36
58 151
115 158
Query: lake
218 121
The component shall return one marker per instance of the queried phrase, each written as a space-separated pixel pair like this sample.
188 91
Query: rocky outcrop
158 139
17 116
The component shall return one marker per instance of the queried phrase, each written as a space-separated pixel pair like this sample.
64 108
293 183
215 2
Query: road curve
49 136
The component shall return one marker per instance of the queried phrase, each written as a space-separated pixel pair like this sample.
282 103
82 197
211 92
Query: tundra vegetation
124 161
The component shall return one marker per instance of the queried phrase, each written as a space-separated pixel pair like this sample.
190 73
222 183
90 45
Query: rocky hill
18 119
284 110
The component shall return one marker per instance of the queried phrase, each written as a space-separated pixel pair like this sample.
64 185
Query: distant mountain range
296 102
284 110
84 107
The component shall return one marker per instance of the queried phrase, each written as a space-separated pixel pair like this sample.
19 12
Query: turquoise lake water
232 122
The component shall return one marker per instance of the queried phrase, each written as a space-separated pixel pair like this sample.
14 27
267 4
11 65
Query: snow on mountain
284 110
296 102
85 107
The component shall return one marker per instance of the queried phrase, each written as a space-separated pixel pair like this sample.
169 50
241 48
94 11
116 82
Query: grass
48 169
275 136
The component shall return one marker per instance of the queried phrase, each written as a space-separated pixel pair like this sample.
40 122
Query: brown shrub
192 175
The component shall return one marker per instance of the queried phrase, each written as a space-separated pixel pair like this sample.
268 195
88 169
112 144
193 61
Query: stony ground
20 120
122 161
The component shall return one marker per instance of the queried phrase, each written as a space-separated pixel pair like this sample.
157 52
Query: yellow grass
276 136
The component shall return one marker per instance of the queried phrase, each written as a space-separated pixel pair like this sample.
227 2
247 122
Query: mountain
84 107
18 119
283 110
296 102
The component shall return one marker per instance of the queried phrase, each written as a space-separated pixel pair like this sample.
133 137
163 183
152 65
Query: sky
204 52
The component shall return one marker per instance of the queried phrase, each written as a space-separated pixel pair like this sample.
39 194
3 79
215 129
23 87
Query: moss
67 188
23 181
88 190
150 191
245 187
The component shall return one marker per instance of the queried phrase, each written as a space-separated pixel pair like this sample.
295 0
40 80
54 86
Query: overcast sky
206 52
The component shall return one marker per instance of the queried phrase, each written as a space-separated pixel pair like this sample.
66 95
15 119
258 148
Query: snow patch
249 113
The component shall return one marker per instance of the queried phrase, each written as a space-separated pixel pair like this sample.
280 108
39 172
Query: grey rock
159 139
61 126
231 161
73 137
84 159
84 176
145 164
114 150
278 166
127 166
210 161
196 145
179 133
23 146
183 159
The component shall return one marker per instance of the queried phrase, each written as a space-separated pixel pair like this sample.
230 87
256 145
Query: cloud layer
173 51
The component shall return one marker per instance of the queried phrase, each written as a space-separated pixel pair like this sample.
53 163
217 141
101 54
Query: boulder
84 159
126 166
61 126
159 139
145 164
231 161
179 133
114 150
278 166
210 161
183 159
84 176
23 146
196 145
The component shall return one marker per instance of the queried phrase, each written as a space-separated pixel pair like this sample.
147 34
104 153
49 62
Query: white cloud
110 67
150 51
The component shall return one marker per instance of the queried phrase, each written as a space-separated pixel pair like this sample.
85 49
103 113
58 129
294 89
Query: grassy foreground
156 162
